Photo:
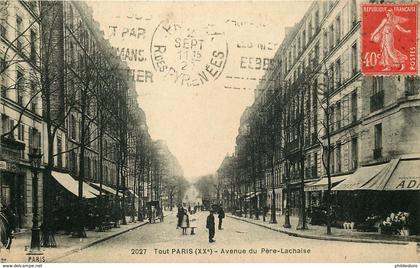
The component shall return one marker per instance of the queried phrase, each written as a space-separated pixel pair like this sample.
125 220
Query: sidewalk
319 232
65 244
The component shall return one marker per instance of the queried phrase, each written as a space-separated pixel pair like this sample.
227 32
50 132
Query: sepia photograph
209 132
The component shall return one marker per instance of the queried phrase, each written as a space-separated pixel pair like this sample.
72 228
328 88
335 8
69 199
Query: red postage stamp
389 39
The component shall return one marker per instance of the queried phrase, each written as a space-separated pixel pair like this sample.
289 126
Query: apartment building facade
21 105
316 101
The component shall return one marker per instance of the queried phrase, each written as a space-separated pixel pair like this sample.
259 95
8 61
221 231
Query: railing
377 101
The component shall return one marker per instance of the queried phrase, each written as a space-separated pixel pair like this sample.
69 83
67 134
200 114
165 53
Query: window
19 86
354 106
338 114
34 138
3 18
105 148
315 166
337 29
310 30
332 160
299 45
71 19
354 60
354 153
338 156
377 151
317 19
332 117
19 33
3 75
73 127
59 152
33 98
33 47
73 164
325 42
378 84
377 97
316 58
411 86
331 37
331 81
71 54
338 72
353 13
303 39
88 167
21 132
4 123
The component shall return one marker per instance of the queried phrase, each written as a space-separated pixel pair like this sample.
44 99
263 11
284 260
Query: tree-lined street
162 242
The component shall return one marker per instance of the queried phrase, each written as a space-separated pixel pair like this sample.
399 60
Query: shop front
67 209
13 195
316 202
383 197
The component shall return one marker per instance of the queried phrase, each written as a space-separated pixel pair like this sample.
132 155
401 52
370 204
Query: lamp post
124 191
35 158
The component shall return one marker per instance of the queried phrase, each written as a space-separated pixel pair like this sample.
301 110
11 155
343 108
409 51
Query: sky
196 66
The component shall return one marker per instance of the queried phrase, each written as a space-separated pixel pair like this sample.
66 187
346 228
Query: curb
80 248
329 238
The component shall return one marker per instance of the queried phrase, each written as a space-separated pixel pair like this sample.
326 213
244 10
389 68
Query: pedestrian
221 217
210 226
153 214
185 222
179 215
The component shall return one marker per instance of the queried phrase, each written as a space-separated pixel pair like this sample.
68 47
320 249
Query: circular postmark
188 56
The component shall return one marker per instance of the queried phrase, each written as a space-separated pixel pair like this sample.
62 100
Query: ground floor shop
383 197
100 203
16 193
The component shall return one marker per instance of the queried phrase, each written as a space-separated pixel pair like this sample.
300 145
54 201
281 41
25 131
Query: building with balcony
316 102
21 105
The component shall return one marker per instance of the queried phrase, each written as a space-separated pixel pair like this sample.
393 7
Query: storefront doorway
12 195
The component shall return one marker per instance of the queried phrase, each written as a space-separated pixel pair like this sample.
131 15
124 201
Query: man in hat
210 226
221 217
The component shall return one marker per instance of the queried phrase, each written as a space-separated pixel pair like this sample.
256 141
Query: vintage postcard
209 131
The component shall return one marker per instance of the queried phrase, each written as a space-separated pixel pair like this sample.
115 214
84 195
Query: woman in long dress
384 34
185 222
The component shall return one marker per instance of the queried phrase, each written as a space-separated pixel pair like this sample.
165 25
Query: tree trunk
302 218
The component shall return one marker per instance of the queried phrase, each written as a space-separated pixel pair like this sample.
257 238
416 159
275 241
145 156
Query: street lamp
124 189
35 157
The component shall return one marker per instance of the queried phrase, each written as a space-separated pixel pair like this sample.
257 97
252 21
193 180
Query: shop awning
72 185
359 178
397 176
322 184
105 188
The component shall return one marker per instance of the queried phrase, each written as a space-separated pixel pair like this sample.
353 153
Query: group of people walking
184 221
